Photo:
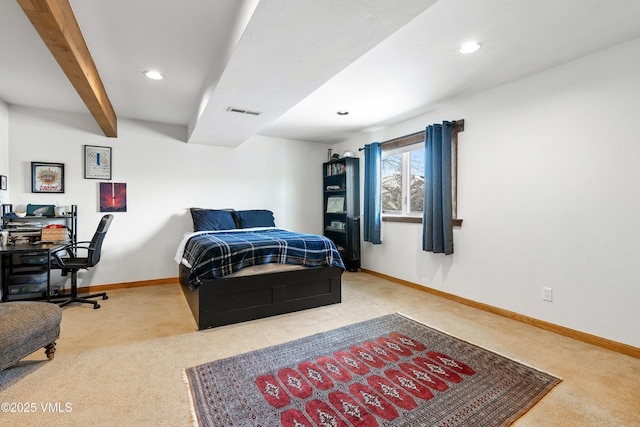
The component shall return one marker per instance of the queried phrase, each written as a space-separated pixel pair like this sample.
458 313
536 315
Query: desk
7 253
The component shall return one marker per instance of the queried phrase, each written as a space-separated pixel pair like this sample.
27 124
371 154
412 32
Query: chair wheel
96 306
105 297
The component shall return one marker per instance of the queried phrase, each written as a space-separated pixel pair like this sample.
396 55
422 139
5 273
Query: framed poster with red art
113 197
47 177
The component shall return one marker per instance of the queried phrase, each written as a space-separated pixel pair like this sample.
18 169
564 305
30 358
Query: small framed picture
3 182
97 162
47 177
335 204
113 197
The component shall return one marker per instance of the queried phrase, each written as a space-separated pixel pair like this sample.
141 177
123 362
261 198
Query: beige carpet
123 364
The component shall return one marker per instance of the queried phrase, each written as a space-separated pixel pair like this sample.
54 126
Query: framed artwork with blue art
97 162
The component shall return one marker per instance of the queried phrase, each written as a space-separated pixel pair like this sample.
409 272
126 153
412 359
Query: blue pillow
212 219
254 218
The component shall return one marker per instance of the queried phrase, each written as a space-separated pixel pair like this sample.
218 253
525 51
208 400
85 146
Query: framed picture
47 177
97 162
3 182
113 197
335 204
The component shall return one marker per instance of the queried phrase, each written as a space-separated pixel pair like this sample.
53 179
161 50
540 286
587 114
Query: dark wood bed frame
225 301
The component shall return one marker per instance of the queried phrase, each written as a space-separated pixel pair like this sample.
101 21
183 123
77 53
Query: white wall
548 191
164 177
4 145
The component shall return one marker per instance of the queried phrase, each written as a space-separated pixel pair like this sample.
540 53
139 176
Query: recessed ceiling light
469 47
154 75
342 113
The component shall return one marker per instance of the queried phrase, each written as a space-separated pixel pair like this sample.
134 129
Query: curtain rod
412 138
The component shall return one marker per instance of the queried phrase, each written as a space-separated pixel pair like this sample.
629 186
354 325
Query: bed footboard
226 301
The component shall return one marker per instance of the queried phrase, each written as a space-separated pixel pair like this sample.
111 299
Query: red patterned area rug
388 371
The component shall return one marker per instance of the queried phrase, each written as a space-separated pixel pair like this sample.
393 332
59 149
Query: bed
237 266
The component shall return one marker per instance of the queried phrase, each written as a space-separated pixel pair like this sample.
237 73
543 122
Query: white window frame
406 180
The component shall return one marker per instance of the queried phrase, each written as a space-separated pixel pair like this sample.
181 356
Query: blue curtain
437 220
372 196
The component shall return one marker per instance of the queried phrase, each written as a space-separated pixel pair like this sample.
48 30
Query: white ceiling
300 61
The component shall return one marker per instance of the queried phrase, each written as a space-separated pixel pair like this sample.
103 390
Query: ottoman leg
50 350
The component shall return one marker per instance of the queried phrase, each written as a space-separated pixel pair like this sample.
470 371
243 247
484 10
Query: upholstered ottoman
26 326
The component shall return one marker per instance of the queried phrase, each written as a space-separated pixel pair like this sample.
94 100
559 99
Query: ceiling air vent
243 111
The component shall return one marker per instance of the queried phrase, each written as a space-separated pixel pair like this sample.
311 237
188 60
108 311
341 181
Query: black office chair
69 261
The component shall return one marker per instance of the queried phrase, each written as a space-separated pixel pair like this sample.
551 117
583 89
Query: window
403 177
403 181
392 183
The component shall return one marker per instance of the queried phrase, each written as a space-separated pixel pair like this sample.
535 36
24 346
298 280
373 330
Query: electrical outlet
547 294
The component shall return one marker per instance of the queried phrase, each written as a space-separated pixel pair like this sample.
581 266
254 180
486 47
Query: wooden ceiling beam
55 22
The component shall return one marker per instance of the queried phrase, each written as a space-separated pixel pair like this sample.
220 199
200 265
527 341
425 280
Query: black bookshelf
341 204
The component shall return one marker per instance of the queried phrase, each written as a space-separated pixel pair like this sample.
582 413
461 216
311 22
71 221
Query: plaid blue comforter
212 255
